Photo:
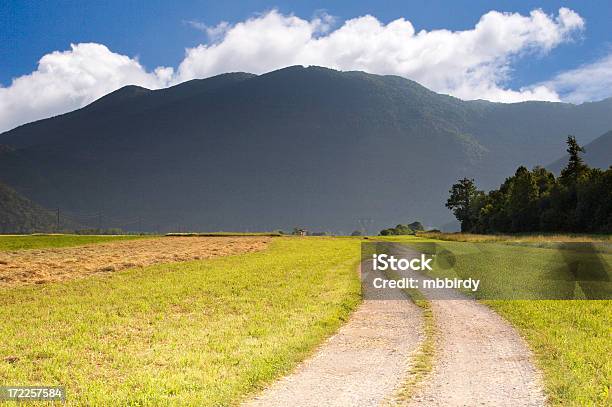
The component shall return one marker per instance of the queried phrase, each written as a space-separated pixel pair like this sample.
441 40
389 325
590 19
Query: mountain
20 215
598 154
310 147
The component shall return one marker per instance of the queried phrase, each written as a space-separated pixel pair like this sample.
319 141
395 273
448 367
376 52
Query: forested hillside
20 215
309 147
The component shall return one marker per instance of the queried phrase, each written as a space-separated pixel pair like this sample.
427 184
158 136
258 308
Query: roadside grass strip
422 361
200 333
571 342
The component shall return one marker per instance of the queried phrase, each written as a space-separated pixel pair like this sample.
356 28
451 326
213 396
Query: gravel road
481 360
362 365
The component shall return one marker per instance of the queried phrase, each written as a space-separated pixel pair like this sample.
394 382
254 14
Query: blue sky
155 30
157 33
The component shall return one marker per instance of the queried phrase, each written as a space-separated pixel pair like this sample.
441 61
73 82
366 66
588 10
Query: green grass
528 237
422 361
20 242
202 333
570 338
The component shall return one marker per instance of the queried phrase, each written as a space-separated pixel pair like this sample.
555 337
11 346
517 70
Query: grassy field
19 242
202 333
528 238
209 332
570 338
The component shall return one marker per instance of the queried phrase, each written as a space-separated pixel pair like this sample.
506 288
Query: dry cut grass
38 266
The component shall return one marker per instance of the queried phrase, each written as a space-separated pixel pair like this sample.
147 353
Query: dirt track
40 266
480 360
364 364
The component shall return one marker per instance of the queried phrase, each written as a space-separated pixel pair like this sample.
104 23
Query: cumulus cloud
470 64
586 83
70 79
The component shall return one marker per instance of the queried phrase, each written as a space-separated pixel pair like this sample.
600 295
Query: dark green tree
416 226
523 201
462 198
576 167
579 201
544 179
402 229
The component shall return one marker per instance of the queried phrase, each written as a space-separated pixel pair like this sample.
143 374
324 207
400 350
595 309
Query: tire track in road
481 360
364 364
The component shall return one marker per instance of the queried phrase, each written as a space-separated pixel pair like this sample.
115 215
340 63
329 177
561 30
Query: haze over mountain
19 215
309 147
598 154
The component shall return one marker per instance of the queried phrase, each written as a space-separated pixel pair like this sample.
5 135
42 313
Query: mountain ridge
299 145
597 154
20 215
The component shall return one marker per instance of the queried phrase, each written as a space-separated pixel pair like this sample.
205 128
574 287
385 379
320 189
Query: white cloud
198 25
586 83
214 33
68 80
470 64
218 31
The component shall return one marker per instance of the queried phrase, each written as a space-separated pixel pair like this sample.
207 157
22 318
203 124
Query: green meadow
569 337
212 332
202 333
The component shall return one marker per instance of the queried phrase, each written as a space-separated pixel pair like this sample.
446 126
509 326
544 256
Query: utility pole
365 223
58 220
100 221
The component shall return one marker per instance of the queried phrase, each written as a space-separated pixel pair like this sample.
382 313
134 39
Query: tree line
409 229
579 200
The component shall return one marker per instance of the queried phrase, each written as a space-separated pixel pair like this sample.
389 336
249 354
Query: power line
364 224
99 220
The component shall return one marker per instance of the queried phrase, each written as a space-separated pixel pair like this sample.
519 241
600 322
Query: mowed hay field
43 265
571 339
202 333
